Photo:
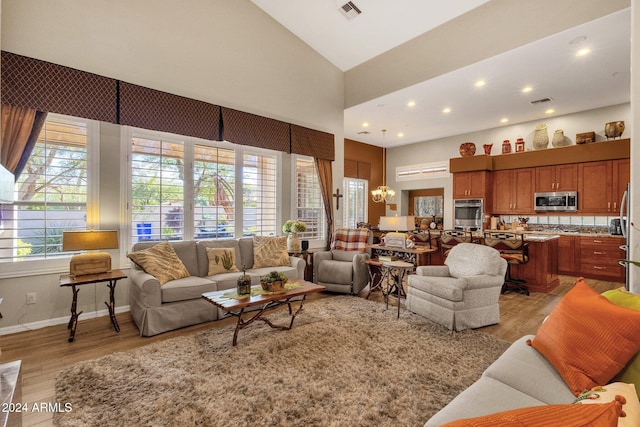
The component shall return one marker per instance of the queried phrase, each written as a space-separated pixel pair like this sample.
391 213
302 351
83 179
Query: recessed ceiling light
400 135
365 124
583 52
527 89
550 111
504 120
411 104
446 110
480 83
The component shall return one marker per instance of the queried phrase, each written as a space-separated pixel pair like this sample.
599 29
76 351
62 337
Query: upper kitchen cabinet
557 178
513 191
601 185
470 185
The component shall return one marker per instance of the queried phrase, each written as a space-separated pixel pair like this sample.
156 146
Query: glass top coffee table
234 305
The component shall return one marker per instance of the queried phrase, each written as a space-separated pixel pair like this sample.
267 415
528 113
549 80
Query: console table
419 255
111 277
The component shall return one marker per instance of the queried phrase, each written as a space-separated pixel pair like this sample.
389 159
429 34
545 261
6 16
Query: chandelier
383 194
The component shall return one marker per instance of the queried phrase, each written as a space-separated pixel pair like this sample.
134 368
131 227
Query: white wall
228 53
446 148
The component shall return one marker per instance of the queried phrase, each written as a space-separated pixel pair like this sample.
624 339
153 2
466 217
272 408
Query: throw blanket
351 239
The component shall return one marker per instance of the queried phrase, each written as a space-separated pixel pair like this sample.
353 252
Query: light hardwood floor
45 352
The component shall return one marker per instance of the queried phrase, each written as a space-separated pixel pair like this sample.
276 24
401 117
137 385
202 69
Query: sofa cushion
221 260
587 338
332 271
470 259
203 259
448 288
549 387
623 298
161 261
608 393
230 280
270 251
605 415
187 288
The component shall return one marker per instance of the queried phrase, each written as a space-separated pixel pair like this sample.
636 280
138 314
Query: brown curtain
326 184
20 129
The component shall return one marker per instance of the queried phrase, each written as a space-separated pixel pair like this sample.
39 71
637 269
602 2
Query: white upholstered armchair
464 292
342 269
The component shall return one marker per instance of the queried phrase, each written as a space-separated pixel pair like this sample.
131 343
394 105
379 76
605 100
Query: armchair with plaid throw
341 269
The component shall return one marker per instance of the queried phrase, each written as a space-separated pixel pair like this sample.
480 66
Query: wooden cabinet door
545 179
594 192
477 184
461 185
566 177
502 192
621 177
566 255
522 193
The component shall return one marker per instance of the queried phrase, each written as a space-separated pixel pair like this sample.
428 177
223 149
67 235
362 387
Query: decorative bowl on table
273 282
467 149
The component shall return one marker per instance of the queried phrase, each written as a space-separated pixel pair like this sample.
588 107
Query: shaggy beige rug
346 362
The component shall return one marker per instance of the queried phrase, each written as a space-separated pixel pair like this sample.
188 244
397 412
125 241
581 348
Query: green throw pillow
631 372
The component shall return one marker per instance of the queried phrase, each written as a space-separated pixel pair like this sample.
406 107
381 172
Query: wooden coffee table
236 306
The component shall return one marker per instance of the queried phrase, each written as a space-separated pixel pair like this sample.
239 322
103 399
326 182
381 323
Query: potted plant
273 282
292 227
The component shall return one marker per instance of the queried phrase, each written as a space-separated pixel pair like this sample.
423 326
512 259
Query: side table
395 271
111 277
308 257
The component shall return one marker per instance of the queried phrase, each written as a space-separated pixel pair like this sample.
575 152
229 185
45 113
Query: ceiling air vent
364 132
350 10
543 100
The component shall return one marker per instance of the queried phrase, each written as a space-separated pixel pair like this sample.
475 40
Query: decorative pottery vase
506 146
293 243
558 139
614 129
540 137
467 149
519 145
487 149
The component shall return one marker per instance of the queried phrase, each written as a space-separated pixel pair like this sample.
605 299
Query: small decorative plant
273 282
294 226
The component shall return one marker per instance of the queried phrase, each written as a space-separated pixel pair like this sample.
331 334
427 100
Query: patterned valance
243 128
43 86
152 109
310 142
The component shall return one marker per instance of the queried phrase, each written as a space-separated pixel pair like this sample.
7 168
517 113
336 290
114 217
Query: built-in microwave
558 201
467 214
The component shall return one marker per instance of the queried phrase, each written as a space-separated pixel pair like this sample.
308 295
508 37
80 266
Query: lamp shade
397 223
89 240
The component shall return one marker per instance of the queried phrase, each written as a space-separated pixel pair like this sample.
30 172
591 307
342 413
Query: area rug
346 362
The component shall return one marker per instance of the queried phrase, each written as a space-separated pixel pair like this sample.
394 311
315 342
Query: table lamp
91 262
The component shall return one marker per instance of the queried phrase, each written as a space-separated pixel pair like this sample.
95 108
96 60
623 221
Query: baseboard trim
58 321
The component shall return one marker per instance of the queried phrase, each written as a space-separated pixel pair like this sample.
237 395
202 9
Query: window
51 194
307 202
355 201
157 189
259 202
213 192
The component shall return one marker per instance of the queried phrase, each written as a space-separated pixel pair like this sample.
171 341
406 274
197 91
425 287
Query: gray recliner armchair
464 292
342 269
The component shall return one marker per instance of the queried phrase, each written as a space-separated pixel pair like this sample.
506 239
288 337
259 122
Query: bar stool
450 238
514 250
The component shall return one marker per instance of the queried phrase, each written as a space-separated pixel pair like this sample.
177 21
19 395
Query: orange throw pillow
548 416
587 338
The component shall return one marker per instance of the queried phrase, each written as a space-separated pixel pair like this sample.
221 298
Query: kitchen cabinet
567 255
601 185
470 185
598 258
513 191
557 178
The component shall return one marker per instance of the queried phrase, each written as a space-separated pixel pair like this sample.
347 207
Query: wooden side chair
514 250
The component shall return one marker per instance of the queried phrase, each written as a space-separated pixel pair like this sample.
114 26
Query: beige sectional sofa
179 303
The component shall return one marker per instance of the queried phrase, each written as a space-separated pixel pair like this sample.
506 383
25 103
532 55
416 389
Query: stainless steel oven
468 214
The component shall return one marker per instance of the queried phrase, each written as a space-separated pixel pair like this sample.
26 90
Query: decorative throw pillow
221 260
605 415
270 251
587 338
608 393
623 298
161 262
351 239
